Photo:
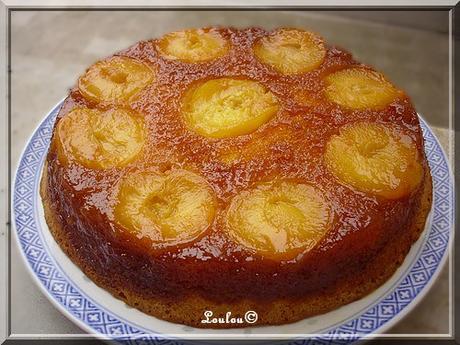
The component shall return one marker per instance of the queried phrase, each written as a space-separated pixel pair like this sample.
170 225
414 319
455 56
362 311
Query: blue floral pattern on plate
104 323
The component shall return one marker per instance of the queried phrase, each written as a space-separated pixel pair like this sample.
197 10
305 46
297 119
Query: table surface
50 50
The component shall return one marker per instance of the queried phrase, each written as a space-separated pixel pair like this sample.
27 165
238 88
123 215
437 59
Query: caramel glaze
213 266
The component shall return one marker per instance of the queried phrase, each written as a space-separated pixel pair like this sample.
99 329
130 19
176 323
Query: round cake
220 170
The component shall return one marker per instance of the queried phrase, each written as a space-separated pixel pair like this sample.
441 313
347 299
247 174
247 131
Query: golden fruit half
166 208
359 88
115 80
374 158
227 107
194 45
291 51
279 219
101 139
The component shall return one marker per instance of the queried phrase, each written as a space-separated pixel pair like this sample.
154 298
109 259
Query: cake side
189 309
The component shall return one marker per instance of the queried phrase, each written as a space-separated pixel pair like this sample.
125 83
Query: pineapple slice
291 51
115 80
101 139
168 208
375 159
358 88
195 45
227 107
279 219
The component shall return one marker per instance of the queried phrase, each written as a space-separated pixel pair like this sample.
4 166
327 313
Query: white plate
96 311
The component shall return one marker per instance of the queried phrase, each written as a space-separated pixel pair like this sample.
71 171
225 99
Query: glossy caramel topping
291 51
115 80
167 208
259 146
279 218
101 139
359 88
236 123
375 159
227 107
194 45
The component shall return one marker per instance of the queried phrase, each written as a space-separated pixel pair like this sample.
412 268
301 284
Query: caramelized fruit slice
279 219
291 51
195 45
228 107
359 88
375 159
166 208
115 80
101 139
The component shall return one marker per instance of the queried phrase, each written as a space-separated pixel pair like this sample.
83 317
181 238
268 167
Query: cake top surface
229 144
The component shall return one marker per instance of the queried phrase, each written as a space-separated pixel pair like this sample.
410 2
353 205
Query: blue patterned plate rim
412 286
